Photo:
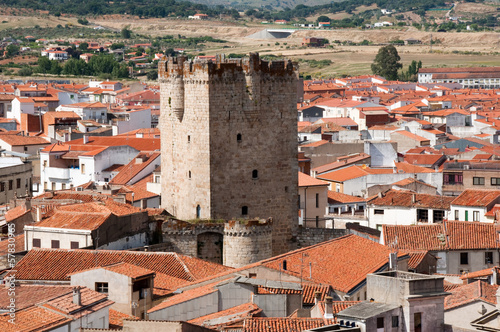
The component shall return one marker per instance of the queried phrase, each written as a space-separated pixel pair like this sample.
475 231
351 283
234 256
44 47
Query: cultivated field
452 48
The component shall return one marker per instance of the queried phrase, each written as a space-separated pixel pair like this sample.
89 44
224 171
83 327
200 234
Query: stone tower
229 141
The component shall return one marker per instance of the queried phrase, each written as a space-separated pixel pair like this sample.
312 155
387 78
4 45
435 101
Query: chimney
413 198
317 297
85 139
77 296
328 307
38 216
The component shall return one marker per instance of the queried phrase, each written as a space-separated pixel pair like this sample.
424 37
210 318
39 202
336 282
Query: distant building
469 77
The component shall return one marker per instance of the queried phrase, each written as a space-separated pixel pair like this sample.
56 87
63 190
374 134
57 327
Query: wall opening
244 210
255 174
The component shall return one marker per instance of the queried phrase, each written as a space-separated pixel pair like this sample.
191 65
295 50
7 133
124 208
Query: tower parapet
247 242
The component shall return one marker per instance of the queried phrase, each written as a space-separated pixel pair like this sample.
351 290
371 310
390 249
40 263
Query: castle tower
229 141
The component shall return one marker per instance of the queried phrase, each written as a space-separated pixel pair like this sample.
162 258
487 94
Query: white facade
469 213
56 174
136 119
398 215
48 234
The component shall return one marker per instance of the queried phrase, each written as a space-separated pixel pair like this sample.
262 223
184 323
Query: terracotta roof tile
339 198
341 263
116 319
17 140
228 316
29 295
416 258
450 235
133 168
476 197
186 295
308 181
480 273
129 270
33 319
284 324
57 264
409 199
472 292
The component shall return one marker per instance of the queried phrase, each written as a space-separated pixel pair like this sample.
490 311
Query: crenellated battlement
172 67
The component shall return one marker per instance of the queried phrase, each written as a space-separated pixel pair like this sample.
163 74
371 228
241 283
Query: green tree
387 63
12 50
152 75
25 71
323 18
44 65
126 33
102 64
55 68
76 67
84 46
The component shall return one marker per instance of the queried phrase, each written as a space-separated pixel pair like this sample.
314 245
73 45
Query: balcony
57 173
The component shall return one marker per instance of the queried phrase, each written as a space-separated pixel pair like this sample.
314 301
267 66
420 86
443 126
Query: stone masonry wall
229 142
311 236
246 242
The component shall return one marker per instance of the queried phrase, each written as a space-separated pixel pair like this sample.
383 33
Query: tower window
189 139
244 210
198 211
255 174
189 174
238 138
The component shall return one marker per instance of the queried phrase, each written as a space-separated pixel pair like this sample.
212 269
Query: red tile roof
284 324
412 136
450 235
466 294
57 264
341 162
96 142
308 181
33 319
116 319
129 270
412 200
408 181
133 168
228 316
308 292
29 295
18 140
190 294
340 198
476 197
480 273
341 263
416 257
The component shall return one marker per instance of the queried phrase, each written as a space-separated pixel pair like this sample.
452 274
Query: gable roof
476 197
57 264
340 198
450 235
308 181
408 199
133 168
341 263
